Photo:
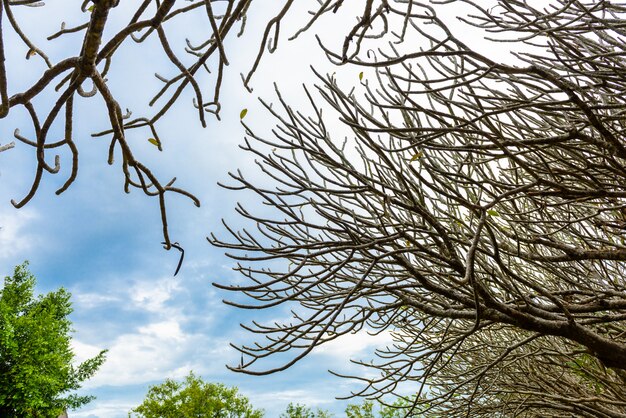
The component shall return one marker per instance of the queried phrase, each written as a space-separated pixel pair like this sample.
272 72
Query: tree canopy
37 374
193 398
366 409
400 408
475 210
298 410
86 70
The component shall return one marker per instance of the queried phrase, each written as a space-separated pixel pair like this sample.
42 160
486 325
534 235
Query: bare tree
477 210
92 62
526 375
82 74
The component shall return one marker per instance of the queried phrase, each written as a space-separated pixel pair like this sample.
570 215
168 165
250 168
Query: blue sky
104 245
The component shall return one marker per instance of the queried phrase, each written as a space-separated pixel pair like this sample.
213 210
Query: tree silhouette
476 210
82 75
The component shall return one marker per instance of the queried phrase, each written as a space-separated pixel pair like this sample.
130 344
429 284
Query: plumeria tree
475 210
468 200
89 71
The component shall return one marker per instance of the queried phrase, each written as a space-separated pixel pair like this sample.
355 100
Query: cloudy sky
104 246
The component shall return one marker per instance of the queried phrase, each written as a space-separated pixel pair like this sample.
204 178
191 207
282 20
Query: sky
104 245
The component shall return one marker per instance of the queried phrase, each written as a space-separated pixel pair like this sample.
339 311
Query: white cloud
301 396
13 237
352 346
153 352
164 331
92 300
115 408
83 351
152 295
157 348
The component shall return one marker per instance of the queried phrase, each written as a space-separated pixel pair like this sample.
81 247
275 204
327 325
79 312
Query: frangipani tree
74 75
475 209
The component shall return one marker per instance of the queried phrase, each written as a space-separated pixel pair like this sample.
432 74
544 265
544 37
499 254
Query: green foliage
302 411
399 409
297 411
35 355
195 398
364 410
586 367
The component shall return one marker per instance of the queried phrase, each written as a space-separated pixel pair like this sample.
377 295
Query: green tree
470 203
303 411
36 370
297 411
398 409
364 410
195 398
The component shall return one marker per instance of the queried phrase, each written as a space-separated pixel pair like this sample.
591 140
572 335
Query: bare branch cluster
67 79
92 63
477 211
526 375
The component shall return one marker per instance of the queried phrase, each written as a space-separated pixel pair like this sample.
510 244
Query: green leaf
492 212
193 397
361 76
90 8
36 330
243 113
417 156
153 142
